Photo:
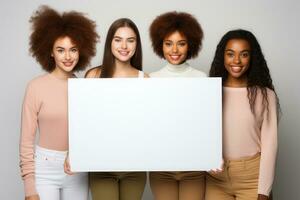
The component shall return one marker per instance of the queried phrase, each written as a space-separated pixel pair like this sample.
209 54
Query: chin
123 59
69 69
174 62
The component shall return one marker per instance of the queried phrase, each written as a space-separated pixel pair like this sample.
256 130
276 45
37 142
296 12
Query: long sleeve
268 147
28 132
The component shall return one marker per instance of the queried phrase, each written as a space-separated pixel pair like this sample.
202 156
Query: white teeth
124 53
236 69
175 57
68 64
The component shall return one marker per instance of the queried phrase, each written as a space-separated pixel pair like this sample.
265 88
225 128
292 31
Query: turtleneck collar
178 68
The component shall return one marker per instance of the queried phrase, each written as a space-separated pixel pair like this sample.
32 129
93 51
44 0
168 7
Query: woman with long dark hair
122 58
122 52
250 112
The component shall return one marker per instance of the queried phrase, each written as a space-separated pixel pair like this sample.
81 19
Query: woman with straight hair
250 112
122 59
62 44
122 52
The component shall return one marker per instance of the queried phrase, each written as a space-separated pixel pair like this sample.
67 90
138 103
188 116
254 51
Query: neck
60 74
177 68
122 65
233 82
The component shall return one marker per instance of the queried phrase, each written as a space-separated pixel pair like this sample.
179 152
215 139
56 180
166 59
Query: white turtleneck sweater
182 70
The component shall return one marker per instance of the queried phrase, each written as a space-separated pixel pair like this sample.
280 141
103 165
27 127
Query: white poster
151 124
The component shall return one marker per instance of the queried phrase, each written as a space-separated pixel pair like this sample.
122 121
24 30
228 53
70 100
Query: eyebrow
177 41
233 50
118 37
59 47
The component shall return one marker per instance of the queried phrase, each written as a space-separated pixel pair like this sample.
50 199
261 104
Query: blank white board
151 124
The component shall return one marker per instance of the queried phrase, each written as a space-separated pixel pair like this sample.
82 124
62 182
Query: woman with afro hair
250 110
62 44
177 37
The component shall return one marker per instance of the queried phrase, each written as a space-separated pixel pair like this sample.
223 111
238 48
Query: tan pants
238 181
117 185
178 185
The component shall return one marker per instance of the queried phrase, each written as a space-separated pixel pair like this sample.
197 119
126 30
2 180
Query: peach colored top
44 108
245 134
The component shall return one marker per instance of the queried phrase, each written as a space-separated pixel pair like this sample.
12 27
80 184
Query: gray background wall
275 23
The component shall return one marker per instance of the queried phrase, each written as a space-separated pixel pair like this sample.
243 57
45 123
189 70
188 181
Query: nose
174 48
124 45
236 59
67 55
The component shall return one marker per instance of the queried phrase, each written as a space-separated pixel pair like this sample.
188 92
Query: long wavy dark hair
258 74
108 63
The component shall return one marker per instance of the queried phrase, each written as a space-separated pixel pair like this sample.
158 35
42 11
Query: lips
123 53
68 64
236 69
175 57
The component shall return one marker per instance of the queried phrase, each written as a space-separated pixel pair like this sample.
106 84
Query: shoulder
38 81
94 72
267 97
272 98
146 75
273 109
142 74
158 73
36 86
269 93
198 72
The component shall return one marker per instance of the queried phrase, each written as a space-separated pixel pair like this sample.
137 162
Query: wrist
262 197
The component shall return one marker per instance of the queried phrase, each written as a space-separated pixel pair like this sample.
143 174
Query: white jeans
51 181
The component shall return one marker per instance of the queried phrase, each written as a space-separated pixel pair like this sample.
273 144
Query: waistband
50 154
242 160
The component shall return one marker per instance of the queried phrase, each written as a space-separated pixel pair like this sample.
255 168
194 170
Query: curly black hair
170 22
48 25
258 74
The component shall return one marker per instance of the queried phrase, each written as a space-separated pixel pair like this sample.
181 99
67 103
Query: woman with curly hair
177 37
250 110
122 58
62 44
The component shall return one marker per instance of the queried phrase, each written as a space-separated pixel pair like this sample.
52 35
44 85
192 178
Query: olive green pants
178 185
117 185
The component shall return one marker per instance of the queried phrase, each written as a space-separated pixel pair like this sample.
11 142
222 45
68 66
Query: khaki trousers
238 181
178 185
117 185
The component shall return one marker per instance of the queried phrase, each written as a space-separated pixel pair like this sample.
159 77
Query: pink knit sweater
245 134
45 109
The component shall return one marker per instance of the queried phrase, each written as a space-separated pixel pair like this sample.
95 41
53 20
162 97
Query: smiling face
123 45
237 59
175 48
65 54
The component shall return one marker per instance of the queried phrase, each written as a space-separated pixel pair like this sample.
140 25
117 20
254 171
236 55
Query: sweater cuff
29 186
267 193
